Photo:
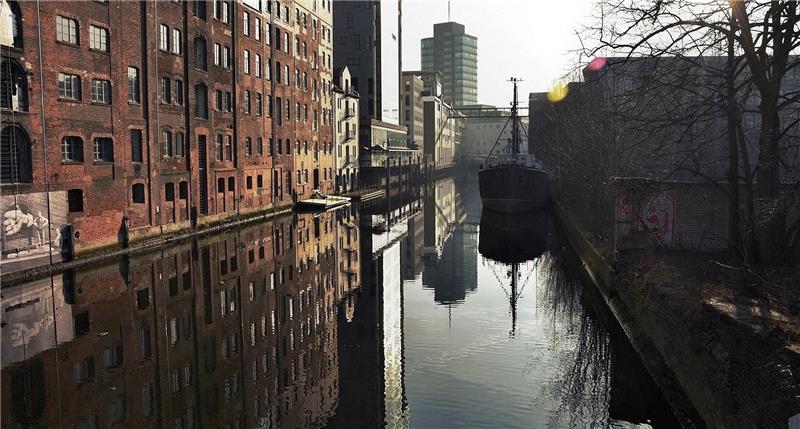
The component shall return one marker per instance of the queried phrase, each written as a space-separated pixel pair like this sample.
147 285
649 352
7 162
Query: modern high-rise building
454 54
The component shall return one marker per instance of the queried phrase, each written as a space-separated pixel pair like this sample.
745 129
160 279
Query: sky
529 39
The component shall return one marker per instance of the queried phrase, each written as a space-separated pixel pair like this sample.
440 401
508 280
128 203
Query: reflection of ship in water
514 241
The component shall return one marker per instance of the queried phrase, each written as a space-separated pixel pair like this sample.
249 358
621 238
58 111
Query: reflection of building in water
372 390
442 212
236 330
451 267
413 246
348 249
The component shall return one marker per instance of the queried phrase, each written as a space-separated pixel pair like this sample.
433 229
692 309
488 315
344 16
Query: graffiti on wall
29 317
27 231
652 214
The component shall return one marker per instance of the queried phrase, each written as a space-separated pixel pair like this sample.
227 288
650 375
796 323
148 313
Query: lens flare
597 64
557 93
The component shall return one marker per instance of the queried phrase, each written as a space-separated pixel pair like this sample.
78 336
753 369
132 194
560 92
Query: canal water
419 310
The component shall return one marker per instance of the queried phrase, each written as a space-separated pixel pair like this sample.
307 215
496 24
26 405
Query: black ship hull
513 188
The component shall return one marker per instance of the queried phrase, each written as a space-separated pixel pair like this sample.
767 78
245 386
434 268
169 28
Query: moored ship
513 181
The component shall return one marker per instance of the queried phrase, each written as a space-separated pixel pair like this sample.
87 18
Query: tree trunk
769 207
734 218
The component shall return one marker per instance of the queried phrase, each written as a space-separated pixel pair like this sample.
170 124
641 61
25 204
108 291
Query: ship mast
515 139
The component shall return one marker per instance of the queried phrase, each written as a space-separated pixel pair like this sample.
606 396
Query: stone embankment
725 352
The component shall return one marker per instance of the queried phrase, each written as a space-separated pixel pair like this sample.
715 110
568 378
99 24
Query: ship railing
520 159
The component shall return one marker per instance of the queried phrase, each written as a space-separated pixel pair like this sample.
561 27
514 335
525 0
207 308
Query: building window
180 145
228 101
260 146
101 91
218 101
166 144
228 148
71 149
248 146
66 30
246 61
69 86
257 28
258 65
183 193
259 104
246 102
246 23
137 193
199 9
84 370
136 145
201 53
15 156
201 101
169 195
163 41
179 92
134 91
11 24
249 185
225 14
232 188
177 41
221 190
75 200
226 57
98 38
219 148
217 54
166 90
13 86
103 149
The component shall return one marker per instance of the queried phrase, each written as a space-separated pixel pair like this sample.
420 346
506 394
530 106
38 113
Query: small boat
512 182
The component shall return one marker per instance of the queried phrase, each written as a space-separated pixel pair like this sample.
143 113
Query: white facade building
345 129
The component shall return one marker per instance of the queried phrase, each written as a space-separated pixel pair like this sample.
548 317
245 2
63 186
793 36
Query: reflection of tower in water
451 266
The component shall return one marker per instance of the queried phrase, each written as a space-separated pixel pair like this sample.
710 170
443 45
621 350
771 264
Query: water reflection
396 314
513 242
237 330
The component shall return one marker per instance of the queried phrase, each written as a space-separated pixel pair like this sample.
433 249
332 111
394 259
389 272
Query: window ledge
73 45
98 51
10 111
134 103
103 163
98 103
70 100
71 162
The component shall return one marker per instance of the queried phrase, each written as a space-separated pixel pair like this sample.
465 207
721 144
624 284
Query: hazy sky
530 39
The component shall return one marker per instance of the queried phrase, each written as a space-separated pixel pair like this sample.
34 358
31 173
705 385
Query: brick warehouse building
156 114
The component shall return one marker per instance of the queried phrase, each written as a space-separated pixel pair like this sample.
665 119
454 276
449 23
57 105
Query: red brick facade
199 81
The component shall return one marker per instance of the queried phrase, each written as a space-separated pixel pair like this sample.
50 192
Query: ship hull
513 189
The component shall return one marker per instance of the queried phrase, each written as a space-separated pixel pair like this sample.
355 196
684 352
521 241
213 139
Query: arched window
15 156
13 86
166 143
10 24
200 53
201 101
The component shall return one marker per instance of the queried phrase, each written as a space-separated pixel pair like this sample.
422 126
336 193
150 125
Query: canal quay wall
142 242
717 365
